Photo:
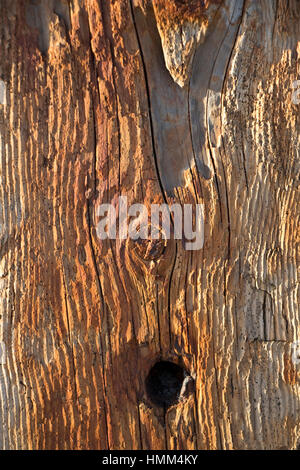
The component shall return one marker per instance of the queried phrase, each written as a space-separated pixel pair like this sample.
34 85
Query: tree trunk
163 101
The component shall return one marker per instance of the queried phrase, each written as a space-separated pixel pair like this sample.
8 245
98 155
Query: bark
165 101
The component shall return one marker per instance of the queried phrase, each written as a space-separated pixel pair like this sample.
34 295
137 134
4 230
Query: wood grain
97 105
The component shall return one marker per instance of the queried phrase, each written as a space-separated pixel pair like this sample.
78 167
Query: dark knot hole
164 383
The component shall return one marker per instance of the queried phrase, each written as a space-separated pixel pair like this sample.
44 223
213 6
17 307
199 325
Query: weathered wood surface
94 107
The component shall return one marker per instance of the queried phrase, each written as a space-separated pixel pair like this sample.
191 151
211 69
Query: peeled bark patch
182 25
42 14
2 92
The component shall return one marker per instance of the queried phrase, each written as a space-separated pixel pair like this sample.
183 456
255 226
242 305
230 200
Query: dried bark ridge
84 322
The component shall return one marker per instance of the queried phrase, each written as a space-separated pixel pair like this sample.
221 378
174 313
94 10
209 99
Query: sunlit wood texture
188 104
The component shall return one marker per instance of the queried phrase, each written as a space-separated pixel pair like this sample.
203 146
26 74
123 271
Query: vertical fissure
148 100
